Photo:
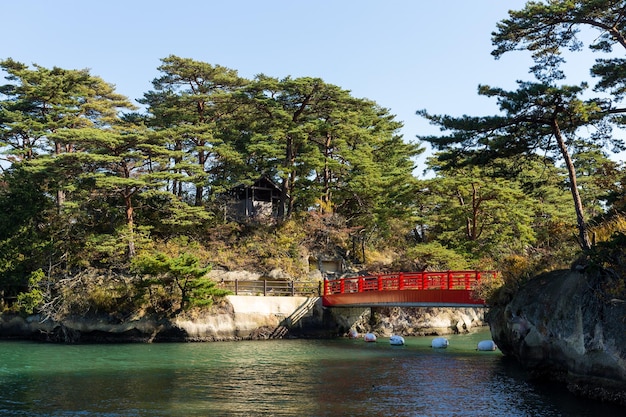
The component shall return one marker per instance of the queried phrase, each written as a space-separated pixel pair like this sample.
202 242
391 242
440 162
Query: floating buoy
439 343
486 345
396 340
369 337
353 334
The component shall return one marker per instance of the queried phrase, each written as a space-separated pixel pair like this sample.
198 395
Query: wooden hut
256 202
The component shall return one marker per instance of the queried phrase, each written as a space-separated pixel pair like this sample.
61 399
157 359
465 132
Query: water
339 377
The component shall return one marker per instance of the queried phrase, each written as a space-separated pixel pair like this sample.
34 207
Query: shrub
181 277
28 302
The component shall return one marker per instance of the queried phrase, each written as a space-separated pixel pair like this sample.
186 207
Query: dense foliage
93 184
546 117
106 207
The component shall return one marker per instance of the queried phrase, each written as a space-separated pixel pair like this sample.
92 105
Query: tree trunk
473 229
326 196
198 198
199 187
60 197
177 185
290 199
284 191
585 244
130 224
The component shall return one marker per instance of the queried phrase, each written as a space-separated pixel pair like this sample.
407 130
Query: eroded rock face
568 326
411 321
234 318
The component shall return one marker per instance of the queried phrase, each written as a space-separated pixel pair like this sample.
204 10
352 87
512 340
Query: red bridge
407 289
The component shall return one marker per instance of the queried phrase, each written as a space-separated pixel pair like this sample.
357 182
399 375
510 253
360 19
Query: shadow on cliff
568 326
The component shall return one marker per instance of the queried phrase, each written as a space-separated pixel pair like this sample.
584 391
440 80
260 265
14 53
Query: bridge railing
443 280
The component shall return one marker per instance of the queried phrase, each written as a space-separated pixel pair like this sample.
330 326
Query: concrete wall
262 314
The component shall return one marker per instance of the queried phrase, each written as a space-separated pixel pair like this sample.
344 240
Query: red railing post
400 281
380 283
467 281
342 285
360 284
325 287
449 281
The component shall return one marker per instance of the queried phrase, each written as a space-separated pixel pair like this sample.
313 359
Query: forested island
119 210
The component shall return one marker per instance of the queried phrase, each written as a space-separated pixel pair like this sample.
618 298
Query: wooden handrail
272 287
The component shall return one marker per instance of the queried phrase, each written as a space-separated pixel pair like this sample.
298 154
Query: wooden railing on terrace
273 287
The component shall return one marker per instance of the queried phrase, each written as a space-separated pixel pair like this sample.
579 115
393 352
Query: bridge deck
413 289
403 298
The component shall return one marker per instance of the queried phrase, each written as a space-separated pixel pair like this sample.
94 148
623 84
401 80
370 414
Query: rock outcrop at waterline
246 318
234 318
568 326
410 321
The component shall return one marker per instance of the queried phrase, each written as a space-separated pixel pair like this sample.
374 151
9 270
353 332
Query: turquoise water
340 377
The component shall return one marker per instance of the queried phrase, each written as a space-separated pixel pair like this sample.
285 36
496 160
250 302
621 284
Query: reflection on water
280 378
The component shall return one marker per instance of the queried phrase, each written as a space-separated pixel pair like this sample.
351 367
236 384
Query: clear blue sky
404 54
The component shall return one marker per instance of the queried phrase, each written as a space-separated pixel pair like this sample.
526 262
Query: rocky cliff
567 326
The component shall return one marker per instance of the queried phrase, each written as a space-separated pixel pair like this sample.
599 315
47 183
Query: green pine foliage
28 302
181 281
124 211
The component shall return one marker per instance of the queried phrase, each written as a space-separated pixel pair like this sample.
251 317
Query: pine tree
190 107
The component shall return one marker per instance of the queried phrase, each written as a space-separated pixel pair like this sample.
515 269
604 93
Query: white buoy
486 345
439 343
353 334
396 340
369 337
